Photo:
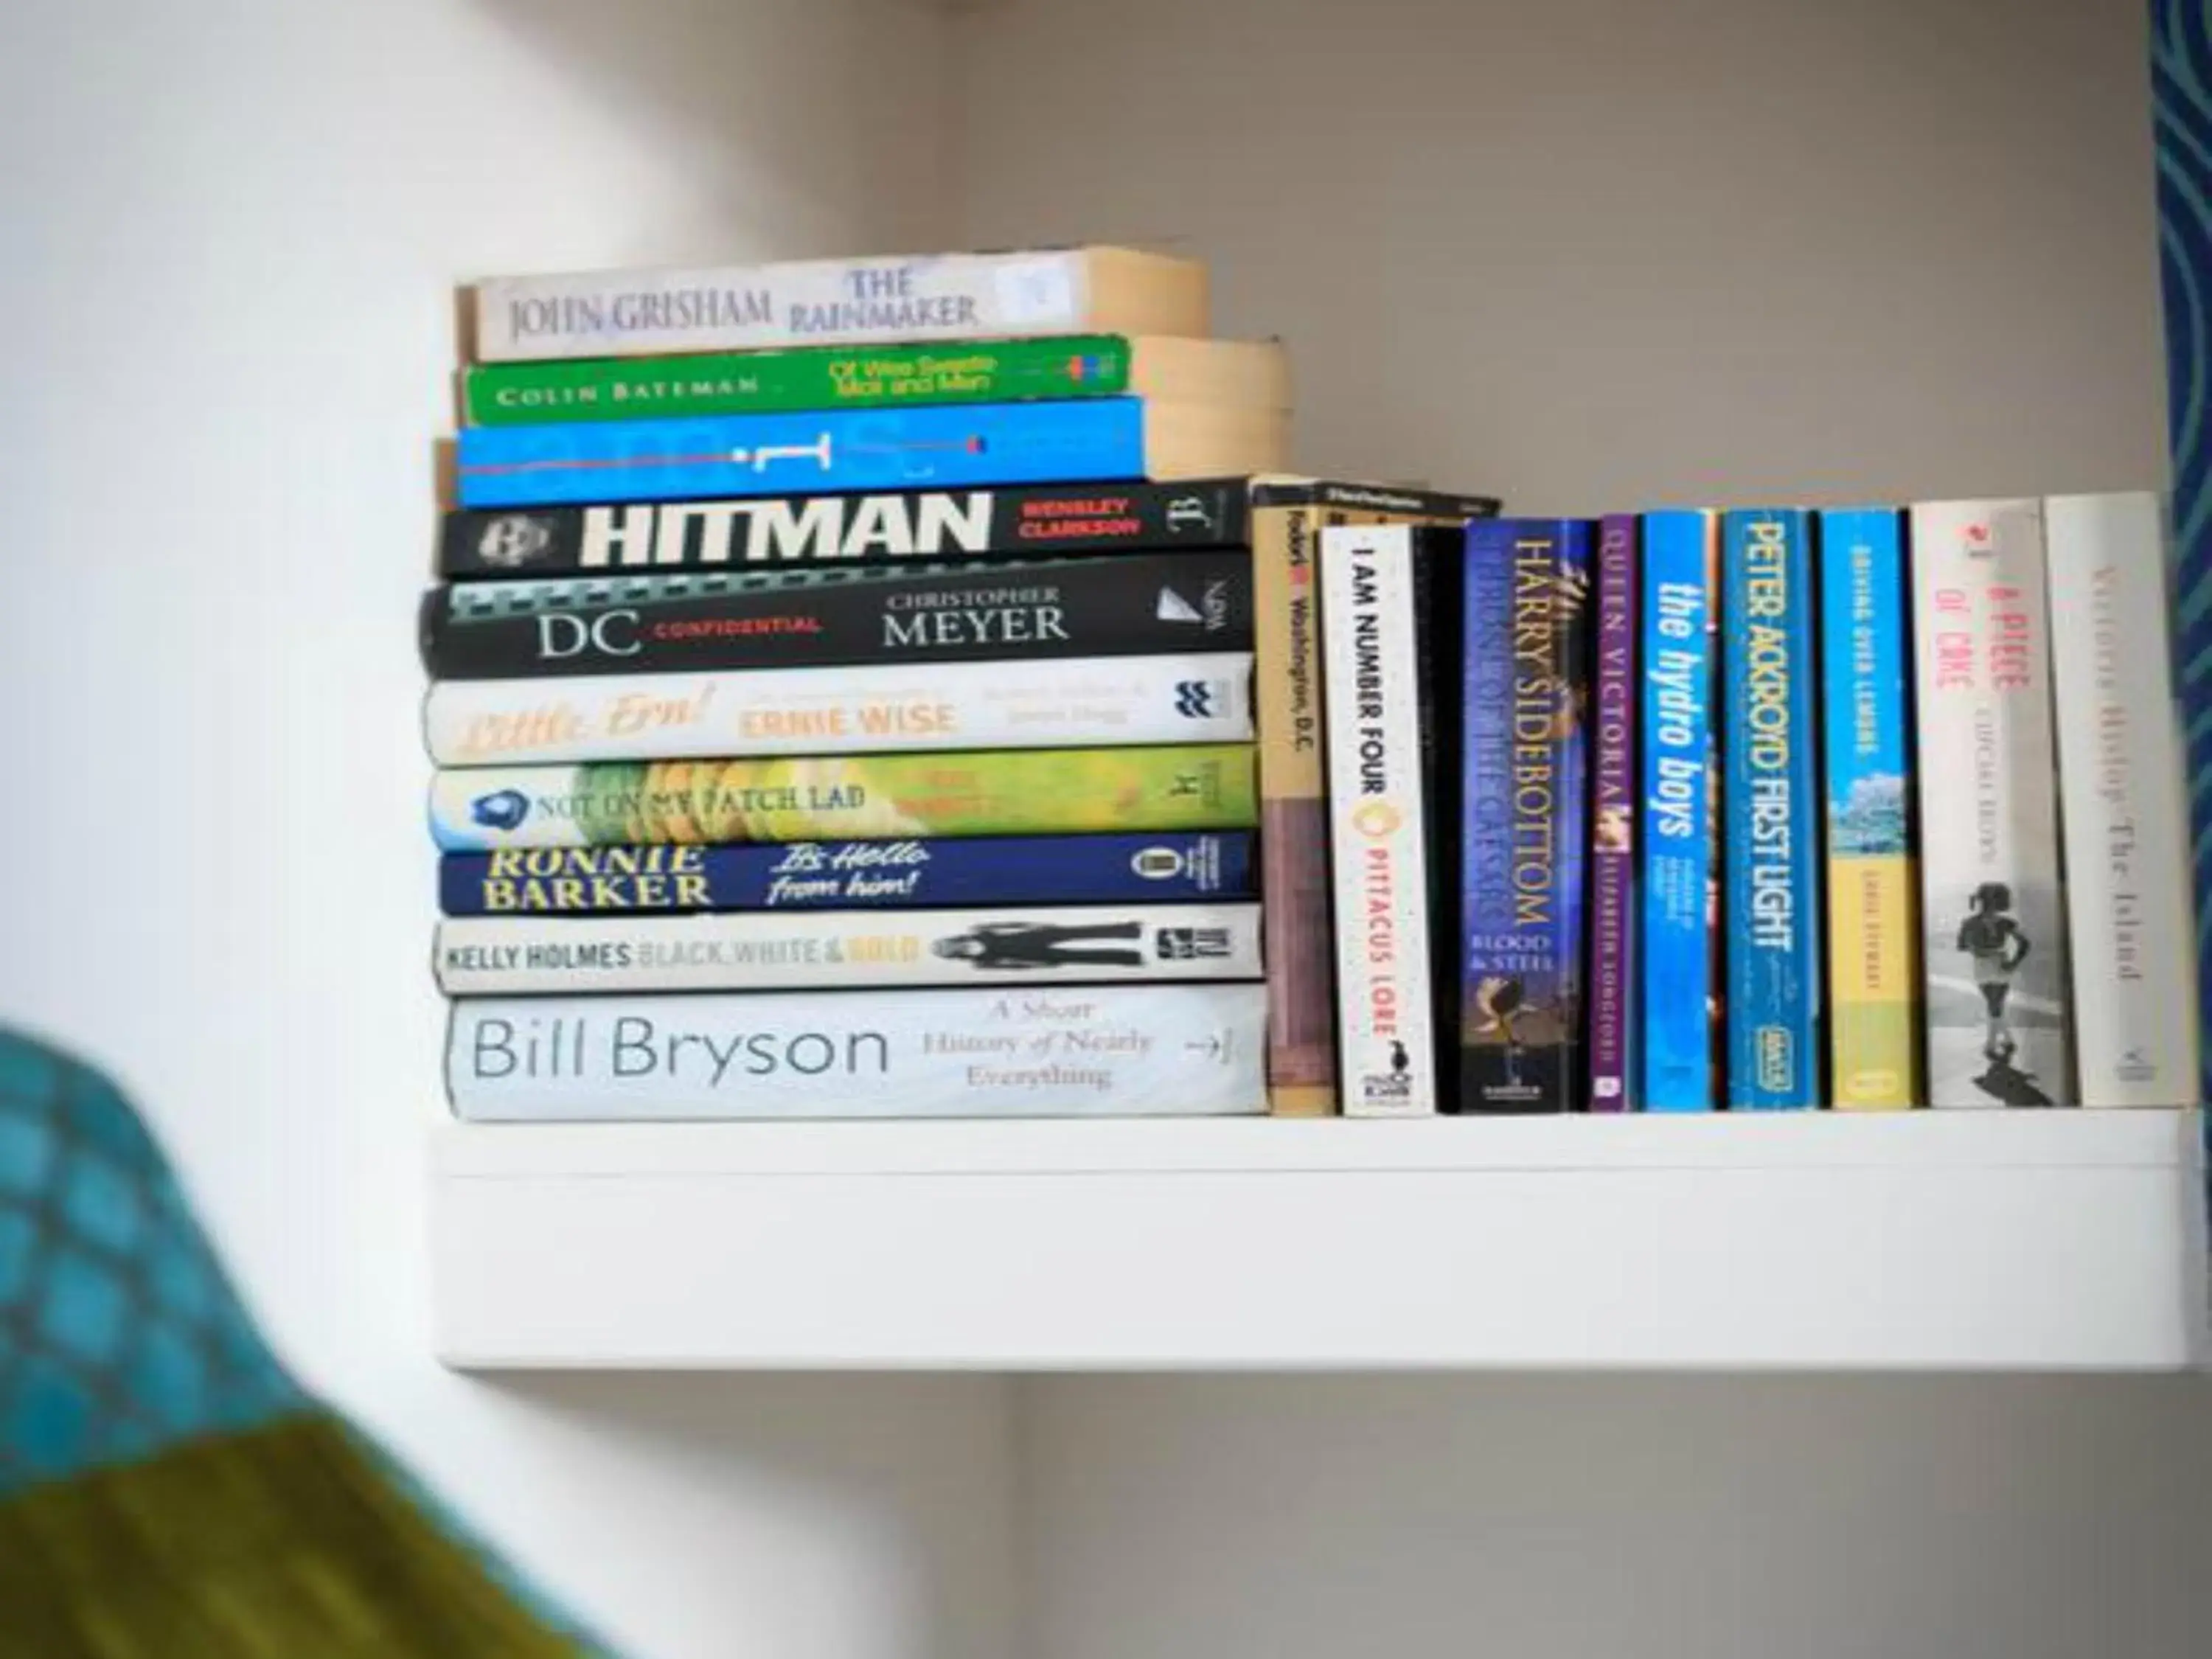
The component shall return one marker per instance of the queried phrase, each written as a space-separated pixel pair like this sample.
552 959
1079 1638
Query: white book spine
1084 702
2129 902
1170 1050
627 313
840 950
1379 858
1996 980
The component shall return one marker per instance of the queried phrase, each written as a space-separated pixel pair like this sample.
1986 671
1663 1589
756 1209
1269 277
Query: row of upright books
1761 810
867 727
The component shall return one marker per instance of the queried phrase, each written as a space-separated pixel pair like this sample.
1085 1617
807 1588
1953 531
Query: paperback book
845 798
1678 899
856 449
2126 819
1873 971
1614 786
837 616
845 949
1996 980
1128 1050
1199 699
814 875
1772 845
785 530
1523 825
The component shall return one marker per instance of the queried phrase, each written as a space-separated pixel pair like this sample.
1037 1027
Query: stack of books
1772 809
827 725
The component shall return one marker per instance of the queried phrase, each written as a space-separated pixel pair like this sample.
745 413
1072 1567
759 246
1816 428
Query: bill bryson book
1614 786
815 875
1250 373
1524 823
845 949
1122 1051
956 297
2120 767
1679 899
1382 812
1873 932
1201 698
1288 516
1996 977
1776 1051
845 798
850 449
782 530
836 616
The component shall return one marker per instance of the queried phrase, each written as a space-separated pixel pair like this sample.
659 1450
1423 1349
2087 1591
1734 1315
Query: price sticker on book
1034 291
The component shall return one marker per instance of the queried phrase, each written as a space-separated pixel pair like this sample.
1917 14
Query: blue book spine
850 875
824 451
1523 823
1678 895
1773 808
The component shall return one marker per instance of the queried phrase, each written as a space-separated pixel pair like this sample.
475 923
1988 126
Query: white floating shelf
2021 1241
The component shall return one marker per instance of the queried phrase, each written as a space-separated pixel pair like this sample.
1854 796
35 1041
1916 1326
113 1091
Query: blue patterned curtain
2181 81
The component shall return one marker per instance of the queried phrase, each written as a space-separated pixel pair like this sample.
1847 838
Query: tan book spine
1198 440
1232 374
1135 293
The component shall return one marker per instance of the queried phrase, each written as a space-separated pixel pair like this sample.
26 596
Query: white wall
1613 251
1659 1517
225 233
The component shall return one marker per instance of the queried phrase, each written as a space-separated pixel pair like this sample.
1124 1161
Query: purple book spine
1614 783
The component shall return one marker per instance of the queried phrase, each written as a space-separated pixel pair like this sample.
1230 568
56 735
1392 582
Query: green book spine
760 382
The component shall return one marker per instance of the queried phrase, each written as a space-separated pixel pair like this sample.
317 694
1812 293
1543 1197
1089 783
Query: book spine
1377 818
839 616
1614 788
633 314
942 874
824 711
845 798
2125 818
1776 1052
1679 897
1130 1050
834 449
783 530
1523 829
772 382
840 950
1994 966
1873 974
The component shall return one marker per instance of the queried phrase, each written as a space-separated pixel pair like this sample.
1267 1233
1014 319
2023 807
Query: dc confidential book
1523 825
1679 897
1995 962
1771 843
1166 1050
1873 933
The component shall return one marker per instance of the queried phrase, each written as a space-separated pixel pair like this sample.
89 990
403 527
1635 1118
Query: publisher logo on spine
514 540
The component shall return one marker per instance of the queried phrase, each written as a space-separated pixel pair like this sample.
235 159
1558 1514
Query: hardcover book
1382 819
1203 698
1523 824
1776 1048
845 798
845 949
1874 933
920 524
857 449
1245 373
839 615
955 297
2126 818
1679 900
1995 957
1614 785
814 875
1126 1050
1287 517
